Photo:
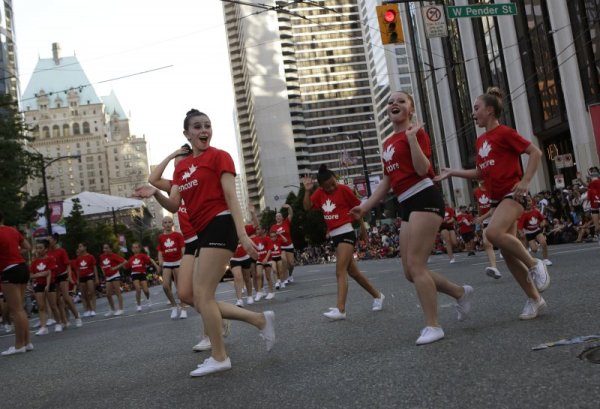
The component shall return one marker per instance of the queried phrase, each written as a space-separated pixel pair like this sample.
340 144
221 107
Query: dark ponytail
324 174
190 114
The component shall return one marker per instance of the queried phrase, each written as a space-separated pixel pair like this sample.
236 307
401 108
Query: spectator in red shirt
15 276
498 153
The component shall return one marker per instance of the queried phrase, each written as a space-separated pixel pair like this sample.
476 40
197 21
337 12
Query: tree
17 165
78 230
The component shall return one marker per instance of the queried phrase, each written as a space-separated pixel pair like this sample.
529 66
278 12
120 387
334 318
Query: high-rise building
9 83
66 118
303 96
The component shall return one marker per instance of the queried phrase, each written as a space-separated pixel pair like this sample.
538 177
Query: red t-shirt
263 245
108 261
283 229
187 230
10 253
61 258
335 206
138 263
85 265
498 159
593 193
448 223
465 223
397 161
484 203
43 264
530 221
170 246
240 252
276 251
198 180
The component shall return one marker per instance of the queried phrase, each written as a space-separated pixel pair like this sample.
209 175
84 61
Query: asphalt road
142 360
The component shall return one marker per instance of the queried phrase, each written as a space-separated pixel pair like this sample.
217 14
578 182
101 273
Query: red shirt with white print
85 265
283 229
335 205
465 223
530 221
10 239
276 252
484 203
138 263
198 180
593 194
397 161
498 159
171 246
448 223
61 257
240 252
187 230
43 264
264 244
108 262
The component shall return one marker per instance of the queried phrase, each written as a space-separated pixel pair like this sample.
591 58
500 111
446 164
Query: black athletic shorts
40 288
348 238
468 236
219 234
190 247
532 236
112 278
276 258
18 274
83 280
62 277
245 264
140 276
428 200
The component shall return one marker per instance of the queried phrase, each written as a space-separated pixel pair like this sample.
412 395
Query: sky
116 38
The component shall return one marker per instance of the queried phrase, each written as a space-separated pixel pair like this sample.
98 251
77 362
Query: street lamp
45 162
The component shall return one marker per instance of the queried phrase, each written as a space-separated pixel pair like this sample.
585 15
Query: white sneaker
29 347
378 302
335 314
259 296
203 345
493 272
183 314
452 261
92 313
138 308
42 331
270 296
463 304
249 300
239 303
50 322
532 309
8 328
173 313
268 332
13 351
110 313
211 365
148 303
78 322
86 314
539 275
118 312
547 262
58 328
429 335
283 283
290 280
278 284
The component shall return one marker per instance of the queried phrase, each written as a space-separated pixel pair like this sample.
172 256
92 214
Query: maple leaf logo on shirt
484 199
275 247
41 267
328 206
533 220
260 246
106 262
189 172
169 243
136 261
485 150
83 264
388 153
446 215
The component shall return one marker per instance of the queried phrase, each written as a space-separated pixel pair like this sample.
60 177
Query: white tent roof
93 203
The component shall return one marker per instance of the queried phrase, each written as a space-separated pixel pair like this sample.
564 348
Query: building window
76 130
86 128
55 131
46 132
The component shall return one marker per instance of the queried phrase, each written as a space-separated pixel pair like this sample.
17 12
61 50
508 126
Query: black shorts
468 236
348 238
139 276
18 274
84 280
265 265
219 234
522 200
190 247
276 258
595 211
62 277
428 200
116 277
288 250
532 236
442 227
245 264
40 288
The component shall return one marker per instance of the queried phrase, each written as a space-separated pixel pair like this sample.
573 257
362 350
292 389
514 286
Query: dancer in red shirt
15 276
408 171
447 232
205 180
85 264
484 208
171 247
276 259
42 270
282 228
138 263
111 263
464 220
498 152
63 278
531 225
264 245
335 201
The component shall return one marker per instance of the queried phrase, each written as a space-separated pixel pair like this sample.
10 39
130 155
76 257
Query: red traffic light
389 16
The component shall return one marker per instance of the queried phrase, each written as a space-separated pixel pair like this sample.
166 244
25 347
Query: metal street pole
366 173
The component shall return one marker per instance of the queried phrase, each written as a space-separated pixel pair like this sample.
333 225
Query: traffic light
390 24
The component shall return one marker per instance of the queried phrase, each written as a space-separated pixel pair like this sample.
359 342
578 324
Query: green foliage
17 165
308 228
78 230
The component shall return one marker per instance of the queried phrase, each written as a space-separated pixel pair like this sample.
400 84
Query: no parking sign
435 21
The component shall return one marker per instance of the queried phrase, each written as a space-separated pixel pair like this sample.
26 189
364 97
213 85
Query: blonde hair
493 98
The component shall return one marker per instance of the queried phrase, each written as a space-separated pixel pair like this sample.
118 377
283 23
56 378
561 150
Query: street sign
435 21
482 10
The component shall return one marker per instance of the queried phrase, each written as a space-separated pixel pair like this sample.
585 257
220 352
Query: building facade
66 117
9 79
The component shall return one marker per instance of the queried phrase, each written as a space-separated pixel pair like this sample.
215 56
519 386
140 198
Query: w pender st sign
482 10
